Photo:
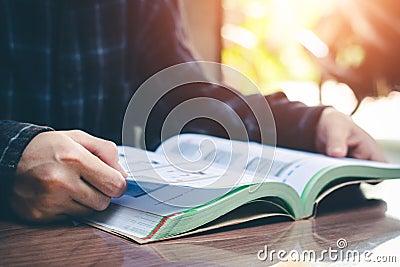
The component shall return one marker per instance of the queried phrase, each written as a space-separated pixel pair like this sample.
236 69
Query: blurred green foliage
261 40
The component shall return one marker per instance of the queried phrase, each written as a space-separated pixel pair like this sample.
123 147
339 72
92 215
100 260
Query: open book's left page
157 190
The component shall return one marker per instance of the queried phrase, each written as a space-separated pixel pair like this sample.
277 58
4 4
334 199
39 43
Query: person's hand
338 136
66 173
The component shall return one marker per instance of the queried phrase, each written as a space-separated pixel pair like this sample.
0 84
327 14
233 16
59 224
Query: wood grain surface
363 224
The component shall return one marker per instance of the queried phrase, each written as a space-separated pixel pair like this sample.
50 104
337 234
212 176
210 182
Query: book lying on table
194 182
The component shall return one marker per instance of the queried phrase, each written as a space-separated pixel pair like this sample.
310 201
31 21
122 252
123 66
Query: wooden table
365 225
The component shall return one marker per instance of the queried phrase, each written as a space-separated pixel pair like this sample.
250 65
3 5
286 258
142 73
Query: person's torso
66 64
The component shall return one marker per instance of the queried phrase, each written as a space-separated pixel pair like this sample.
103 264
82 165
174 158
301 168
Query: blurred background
343 53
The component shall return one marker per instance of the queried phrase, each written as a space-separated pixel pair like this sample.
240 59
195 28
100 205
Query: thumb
336 143
105 150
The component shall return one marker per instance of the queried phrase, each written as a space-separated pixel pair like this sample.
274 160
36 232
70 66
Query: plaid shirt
72 64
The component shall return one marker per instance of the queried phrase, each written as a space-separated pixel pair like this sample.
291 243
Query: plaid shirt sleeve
14 137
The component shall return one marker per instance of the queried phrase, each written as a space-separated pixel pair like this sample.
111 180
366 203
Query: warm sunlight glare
239 35
278 45
311 41
338 95
376 116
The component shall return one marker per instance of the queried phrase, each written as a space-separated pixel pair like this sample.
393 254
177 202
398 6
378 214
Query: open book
193 183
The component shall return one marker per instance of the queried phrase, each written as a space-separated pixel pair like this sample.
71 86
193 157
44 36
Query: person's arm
14 137
295 122
46 174
321 129
162 43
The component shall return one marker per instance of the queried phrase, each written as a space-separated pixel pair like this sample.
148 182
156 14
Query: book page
297 168
129 221
248 162
258 162
157 187
191 169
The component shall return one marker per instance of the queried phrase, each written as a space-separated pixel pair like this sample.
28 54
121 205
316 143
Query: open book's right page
307 173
